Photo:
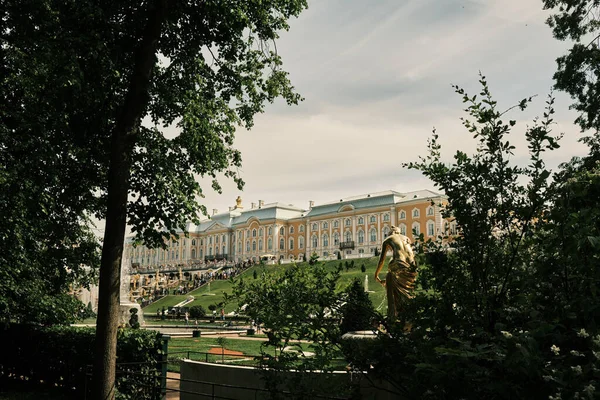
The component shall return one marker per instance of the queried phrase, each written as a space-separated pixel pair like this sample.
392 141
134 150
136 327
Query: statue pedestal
125 315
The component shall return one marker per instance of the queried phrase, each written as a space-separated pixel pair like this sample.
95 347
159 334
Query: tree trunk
123 140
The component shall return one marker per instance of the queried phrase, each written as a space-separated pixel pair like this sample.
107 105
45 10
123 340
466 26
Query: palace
353 226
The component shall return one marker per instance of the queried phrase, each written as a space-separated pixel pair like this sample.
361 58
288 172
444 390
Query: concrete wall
240 383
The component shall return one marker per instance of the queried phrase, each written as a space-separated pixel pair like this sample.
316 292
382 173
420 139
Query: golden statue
400 279
238 202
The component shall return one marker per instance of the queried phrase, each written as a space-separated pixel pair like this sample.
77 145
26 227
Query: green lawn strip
198 347
178 348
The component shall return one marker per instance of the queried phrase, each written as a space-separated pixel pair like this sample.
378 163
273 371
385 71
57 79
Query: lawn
198 347
218 288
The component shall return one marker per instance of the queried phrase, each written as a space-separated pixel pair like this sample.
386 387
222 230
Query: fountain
125 302
367 285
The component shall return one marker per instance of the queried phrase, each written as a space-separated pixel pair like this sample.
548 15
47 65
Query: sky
376 79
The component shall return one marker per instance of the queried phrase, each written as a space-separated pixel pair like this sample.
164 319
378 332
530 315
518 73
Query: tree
197 311
578 70
299 302
494 210
358 313
96 70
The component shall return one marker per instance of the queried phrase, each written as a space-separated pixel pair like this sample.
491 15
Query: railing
347 245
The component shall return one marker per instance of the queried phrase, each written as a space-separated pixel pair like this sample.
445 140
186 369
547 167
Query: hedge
62 356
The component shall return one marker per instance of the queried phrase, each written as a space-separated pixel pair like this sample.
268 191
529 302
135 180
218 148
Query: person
187 318
222 314
401 276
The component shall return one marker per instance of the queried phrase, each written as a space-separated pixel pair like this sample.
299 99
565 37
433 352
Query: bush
197 312
363 268
212 307
358 312
60 356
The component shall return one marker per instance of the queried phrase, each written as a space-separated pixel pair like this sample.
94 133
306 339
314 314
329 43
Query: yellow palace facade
353 226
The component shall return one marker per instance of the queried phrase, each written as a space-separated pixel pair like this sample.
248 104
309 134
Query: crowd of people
223 271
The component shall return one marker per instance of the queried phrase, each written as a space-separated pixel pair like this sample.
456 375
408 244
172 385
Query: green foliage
578 70
254 274
197 312
363 268
298 302
490 319
358 313
212 307
61 355
134 319
222 341
495 204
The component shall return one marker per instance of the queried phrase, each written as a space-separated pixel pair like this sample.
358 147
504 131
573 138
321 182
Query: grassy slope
217 288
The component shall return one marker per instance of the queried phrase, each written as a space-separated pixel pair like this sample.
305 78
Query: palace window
430 228
453 228
386 217
430 211
325 240
281 244
336 239
373 235
336 224
270 231
348 235
253 232
416 213
291 244
260 244
402 215
193 242
291 229
373 219
361 220
325 225
361 237
254 245
270 244
301 242
416 227
315 227
247 246
386 231
261 232
301 229
347 222
315 241
282 231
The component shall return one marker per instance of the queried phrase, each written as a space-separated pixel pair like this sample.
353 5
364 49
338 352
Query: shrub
358 312
197 312
212 307
60 356
134 319
363 268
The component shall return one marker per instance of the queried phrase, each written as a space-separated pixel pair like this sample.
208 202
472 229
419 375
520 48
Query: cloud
377 78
